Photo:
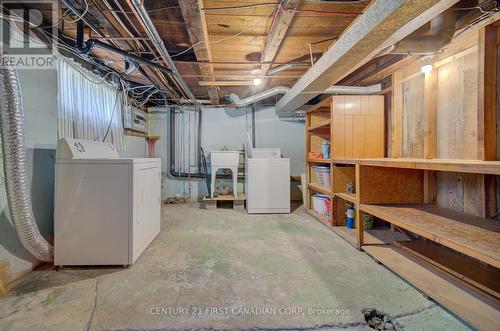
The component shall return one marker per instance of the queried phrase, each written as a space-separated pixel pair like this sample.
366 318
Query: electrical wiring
321 12
125 86
263 4
61 44
112 116
149 11
480 7
277 5
83 14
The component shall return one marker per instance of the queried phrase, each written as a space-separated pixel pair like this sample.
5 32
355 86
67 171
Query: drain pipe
283 89
14 163
142 14
172 147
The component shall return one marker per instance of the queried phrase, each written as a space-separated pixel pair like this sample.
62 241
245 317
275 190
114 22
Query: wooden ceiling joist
197 29
277 33
116 30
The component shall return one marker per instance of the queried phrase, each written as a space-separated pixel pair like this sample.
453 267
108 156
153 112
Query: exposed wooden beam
227 83
277 33
116 30
381 25
196 25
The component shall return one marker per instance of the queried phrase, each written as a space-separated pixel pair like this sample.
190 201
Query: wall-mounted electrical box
134 119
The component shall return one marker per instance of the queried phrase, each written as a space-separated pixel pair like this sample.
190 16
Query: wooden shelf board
351 197
322 218
345 161
226 197
318 188
130 132
470 235
479 311
455 165
321 125
471 271
371 237
324 105
327 161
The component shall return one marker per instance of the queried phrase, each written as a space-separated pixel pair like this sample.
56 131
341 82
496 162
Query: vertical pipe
253 125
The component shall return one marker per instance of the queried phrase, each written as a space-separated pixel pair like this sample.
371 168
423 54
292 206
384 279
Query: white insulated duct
14 163
353 89
283 89
234 98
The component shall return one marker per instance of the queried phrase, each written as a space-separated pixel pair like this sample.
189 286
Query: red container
328 204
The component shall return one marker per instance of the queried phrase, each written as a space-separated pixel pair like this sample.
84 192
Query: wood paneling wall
413 117
457 125
358 126
448 114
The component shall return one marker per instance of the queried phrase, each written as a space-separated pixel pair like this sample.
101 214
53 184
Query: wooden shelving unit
318 188
336 119
464 166
351 197
318 130
470 235
401 192
322 161
435 189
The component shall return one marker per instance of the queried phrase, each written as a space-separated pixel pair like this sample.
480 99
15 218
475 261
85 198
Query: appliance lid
154 162
85 149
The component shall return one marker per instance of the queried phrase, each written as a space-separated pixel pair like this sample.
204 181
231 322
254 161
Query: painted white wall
134 147
39 92
227 127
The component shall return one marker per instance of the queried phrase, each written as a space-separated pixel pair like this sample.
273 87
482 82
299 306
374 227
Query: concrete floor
219 269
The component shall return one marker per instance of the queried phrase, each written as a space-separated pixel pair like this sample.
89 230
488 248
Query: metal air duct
234 98
283 89
14 163
440 32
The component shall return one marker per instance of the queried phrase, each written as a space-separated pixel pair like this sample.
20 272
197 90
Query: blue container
325 149
350 218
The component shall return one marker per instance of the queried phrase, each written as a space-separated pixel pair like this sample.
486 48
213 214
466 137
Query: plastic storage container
350 217
322 173
319 203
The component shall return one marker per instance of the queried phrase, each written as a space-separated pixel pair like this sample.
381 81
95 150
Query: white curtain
88 107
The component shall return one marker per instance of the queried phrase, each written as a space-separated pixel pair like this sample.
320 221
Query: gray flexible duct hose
14 163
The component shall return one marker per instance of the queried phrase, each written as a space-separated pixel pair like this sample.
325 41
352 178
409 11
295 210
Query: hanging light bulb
426 68
257 81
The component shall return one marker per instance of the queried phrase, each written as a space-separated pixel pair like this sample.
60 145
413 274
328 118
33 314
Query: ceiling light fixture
426 68
257 81
255 71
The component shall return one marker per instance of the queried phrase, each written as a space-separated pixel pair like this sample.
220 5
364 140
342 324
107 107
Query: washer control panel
85 149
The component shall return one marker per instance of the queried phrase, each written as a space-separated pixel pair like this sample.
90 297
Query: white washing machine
107 209
267 180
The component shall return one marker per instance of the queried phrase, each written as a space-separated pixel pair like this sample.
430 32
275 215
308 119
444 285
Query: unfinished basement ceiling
235 33
220 46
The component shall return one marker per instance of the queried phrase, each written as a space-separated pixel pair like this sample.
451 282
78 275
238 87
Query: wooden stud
397 116
487 93
360 229
430 115
195 21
